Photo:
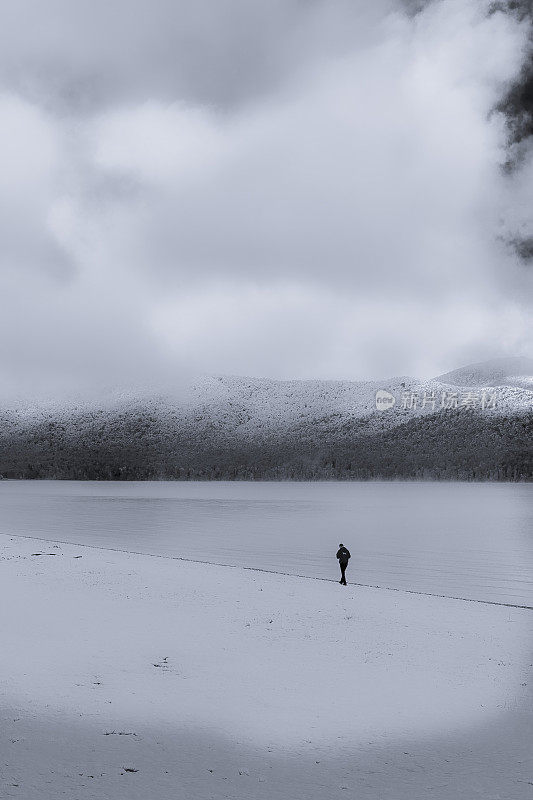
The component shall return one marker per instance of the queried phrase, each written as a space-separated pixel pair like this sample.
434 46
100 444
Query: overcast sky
284 188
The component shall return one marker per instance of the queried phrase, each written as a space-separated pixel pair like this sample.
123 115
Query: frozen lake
461 539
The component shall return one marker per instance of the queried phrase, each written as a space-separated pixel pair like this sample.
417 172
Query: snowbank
128 676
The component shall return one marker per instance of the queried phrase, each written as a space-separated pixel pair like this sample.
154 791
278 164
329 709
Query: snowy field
457 539
128 677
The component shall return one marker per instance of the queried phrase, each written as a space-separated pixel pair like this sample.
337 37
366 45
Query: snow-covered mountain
517 371
227 426
271 403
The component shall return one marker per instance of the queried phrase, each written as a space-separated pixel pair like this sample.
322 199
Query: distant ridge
514 371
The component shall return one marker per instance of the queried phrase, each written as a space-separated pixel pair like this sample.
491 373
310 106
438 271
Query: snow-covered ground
128 677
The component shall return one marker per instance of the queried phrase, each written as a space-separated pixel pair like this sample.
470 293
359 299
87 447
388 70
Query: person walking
343 554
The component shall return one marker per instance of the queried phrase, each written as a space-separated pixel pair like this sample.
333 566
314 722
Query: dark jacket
343 554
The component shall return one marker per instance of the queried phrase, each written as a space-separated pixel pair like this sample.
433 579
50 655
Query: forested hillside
236 429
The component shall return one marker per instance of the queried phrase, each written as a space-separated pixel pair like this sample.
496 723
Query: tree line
451 445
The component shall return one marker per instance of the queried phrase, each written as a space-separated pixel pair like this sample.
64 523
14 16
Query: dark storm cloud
523 248
516 106
517 101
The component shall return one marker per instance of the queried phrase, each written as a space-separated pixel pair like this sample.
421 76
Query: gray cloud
293 188
89 54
